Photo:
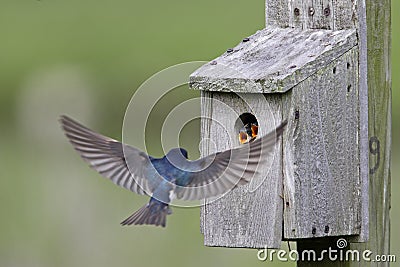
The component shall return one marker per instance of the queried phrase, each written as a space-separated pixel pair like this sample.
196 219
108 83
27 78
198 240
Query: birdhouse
315 180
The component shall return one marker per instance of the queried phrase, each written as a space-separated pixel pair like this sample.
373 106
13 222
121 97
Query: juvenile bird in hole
248 132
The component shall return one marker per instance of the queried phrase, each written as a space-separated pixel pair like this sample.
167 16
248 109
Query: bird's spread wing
218 173
109 157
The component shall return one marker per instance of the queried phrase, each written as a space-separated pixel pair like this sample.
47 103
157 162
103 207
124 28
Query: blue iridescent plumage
170 176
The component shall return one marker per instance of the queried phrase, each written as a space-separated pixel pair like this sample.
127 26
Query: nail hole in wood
311 11
349 88
334 70
348 65
314 231
296 114
327 11
297 12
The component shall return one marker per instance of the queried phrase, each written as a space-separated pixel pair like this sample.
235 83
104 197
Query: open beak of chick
248 133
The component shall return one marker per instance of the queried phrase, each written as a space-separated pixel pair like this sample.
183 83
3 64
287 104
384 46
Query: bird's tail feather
151 214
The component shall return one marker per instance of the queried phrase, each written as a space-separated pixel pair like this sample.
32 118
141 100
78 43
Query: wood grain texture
312 14
273 60
364 139
277 13
375 25
321 153
243 218
205 131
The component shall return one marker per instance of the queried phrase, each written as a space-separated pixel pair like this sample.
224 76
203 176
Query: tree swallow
170 176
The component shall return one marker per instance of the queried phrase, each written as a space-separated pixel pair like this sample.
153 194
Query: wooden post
375 36
372 20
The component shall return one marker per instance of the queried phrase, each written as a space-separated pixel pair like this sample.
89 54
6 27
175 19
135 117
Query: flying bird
170 176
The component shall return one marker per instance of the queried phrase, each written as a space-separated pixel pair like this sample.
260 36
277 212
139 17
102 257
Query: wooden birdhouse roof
273 60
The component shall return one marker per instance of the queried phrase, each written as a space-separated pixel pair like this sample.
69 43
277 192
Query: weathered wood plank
243 218
364 143
345 14
312 14
205 126
273 60
277 13
325 15
375 32
297 13
321 153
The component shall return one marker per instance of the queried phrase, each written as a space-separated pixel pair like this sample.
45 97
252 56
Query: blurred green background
85 59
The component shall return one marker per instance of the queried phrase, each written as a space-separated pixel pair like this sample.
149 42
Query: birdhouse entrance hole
247 121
